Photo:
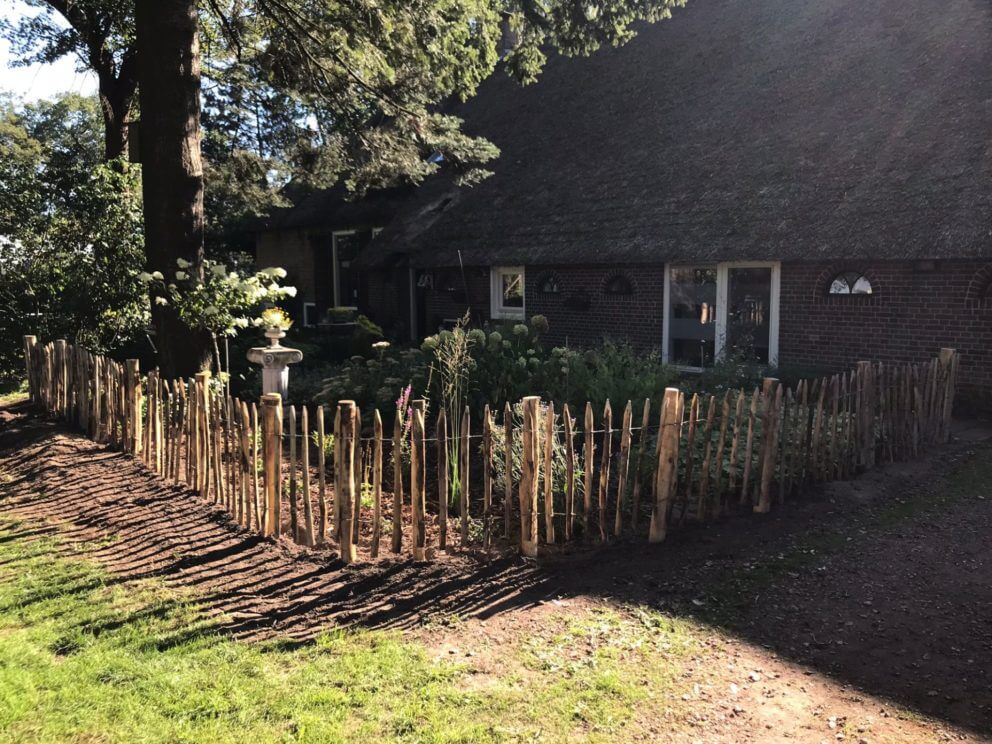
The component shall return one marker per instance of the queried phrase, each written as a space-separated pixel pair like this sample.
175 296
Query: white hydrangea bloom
144 277
181 275
182 263
157 275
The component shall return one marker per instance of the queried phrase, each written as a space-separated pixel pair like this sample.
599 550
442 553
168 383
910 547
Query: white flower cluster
221 301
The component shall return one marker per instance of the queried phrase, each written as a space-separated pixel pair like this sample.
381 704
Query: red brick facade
916 308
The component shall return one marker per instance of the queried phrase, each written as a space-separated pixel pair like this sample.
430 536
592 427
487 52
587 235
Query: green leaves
71 230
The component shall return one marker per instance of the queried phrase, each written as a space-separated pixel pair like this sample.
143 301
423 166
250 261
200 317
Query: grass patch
86 657
13 392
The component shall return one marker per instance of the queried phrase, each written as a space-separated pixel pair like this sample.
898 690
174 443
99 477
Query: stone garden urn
275 360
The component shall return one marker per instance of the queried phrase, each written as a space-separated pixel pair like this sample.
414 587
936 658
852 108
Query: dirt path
863 612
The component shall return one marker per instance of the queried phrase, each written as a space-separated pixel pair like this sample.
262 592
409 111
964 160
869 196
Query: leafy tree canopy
70 230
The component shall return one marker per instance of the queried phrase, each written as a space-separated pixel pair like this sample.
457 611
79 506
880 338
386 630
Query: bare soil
862 611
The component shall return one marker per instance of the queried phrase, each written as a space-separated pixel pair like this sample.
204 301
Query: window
549 283
309 314
716 309
507 289
345 247
691 315
618 284
850 283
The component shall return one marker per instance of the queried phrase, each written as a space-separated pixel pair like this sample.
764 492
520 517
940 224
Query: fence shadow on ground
833 581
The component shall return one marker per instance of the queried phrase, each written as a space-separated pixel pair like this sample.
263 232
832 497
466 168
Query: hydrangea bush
217 300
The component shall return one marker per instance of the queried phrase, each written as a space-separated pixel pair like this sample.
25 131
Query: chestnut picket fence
319 477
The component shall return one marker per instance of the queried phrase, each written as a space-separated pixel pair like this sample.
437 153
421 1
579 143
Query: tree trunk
116 97
114 129
168 49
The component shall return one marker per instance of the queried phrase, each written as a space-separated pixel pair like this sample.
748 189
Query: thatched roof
775 129
336 209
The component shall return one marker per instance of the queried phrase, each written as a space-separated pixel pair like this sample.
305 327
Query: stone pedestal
275 360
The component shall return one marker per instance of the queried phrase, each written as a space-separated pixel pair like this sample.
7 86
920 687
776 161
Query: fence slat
624 466
642 439
771 396
528 478
507 470
344 461
566 416
604 467
418 481
376 482
549 493
487 475
397 545
463 473
442 479
305 457
668 457
720 447
590 469
702 502
272 455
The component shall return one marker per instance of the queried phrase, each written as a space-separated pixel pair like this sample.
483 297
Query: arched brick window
979 293
549 283
850 282
618 284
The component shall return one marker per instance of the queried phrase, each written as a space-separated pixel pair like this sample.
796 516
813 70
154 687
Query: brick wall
449 298
912 313
584 312
388 300
909 316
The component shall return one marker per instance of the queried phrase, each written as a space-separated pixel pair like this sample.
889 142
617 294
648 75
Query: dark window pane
749 295
692 319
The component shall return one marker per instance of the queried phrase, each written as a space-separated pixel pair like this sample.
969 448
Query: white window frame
722 289
497 309
309 310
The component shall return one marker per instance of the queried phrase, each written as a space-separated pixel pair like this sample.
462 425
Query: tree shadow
882 583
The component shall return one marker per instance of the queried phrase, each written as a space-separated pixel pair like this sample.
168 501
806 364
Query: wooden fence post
133 407
948 361
344 462
487 475
867 411
507 470
528 478
272 458
29 343
321 479
60 374
668 457
418 481
589 463
376 482
463 474
604 468
642 439
305 482
566 416
771 396
549 481
624 465
398 481
443 473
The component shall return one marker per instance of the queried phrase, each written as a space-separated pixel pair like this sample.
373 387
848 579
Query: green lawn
13 392
85 658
